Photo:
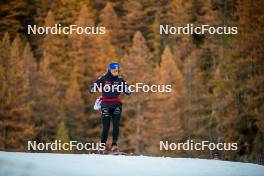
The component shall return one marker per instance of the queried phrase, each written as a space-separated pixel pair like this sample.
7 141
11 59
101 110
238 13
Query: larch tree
42 7
81 52
104 52
170 75
90 61
137 66
242 72
4 58
110 20
17 107
62 136
197 111
169 107
54 48
47 107
133 20
74 108
81 47
200 59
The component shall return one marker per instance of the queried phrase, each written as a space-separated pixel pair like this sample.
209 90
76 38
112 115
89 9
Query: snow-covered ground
45 164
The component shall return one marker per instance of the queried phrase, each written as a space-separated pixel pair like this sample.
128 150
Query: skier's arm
96 85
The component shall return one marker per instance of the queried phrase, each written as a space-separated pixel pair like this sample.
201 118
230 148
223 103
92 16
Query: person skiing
110 102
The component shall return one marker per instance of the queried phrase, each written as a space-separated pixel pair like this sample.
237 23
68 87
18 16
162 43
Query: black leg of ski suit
107 115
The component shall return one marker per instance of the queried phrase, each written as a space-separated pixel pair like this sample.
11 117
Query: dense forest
217 80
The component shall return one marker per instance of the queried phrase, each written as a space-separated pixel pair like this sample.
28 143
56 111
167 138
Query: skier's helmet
114 68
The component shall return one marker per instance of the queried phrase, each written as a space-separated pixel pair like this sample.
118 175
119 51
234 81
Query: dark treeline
217 80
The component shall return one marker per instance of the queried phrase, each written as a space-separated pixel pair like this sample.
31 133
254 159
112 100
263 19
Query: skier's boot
115 150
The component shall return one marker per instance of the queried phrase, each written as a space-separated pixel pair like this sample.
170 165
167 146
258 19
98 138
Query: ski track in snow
47 164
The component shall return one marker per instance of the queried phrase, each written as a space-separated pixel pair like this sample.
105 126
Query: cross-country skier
110 102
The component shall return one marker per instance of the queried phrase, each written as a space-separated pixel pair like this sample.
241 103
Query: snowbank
46 164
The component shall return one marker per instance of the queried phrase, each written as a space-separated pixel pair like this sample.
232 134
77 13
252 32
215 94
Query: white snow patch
47 164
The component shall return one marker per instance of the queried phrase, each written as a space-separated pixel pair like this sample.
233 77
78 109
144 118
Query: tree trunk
138 129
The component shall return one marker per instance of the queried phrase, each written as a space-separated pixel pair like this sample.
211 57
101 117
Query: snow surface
47 164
